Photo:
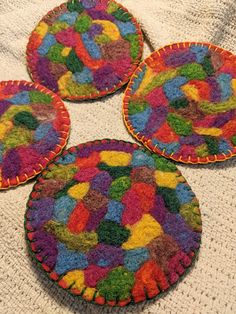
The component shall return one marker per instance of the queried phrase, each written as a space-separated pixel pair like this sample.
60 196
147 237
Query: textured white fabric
210 286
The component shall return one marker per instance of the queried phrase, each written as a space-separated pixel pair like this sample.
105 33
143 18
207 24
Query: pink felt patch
157 98
93 274
67 37
186 151
29 157
207 122
121 67
133 211
86 174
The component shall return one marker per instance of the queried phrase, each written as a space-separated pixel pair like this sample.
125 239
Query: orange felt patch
88 162
35 41
147 197
78 218
157 64
229 129
148 278
203 89
165 134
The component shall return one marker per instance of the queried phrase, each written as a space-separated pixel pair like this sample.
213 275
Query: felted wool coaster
113 223
85 49
181 103
34 127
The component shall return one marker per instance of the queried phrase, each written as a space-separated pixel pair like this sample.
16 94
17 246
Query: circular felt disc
34 127
85 49
181 103
112 222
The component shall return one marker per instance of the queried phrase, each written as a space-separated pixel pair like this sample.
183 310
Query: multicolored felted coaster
181 103
34 127
113 223
85 49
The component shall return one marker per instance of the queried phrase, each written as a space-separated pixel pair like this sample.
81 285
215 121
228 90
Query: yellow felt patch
62 83
149 75
89 293
166 179
191 92
208 131
42 29
76 277
142 232
233 82
109 29
65 52
114 159
5 126
79 190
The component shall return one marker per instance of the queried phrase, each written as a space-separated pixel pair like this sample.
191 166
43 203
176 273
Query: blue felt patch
91 46
126 28
20 99
68 260
114 212
139 120
200 52
140 159
184 193
135 258
70 18
66 160
63 208
224 81
137 81
103 262
41 131
48 41
168 147
172 88
1 152
83 77
224 147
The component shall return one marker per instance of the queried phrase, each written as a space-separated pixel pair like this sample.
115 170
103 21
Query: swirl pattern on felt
181 102
85 48
34 127
114 223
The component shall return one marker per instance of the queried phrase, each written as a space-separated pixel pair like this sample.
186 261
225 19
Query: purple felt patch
105 78
106 256
179 58
101 182
157 118
46 244
159 210
11 165
42 211
214 88
45 75
100 15
194 140
223 118
95 219
4 105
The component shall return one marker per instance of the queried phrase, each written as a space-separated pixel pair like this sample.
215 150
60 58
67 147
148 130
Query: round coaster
113 223
34 127
181 103
85 49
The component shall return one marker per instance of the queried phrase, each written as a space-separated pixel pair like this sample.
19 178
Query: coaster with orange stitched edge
34 127
181 103
112 222
85 49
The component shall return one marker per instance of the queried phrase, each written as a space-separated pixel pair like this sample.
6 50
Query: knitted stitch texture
34 128
181 103
85 49
210 286
113 223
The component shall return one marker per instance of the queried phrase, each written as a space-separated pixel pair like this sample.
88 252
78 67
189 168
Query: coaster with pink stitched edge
34 127
112 222
85 49
181 103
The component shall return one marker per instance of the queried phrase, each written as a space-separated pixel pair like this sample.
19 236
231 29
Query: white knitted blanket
210 286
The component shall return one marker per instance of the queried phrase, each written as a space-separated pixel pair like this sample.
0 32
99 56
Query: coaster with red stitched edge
34 128
85 49
112 222
181 103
